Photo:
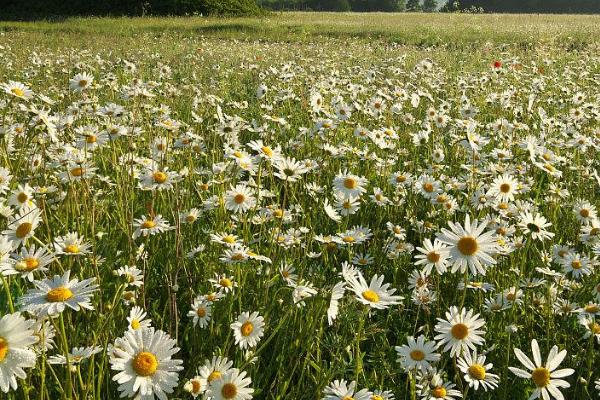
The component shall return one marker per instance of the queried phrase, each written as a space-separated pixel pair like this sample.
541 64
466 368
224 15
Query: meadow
300 206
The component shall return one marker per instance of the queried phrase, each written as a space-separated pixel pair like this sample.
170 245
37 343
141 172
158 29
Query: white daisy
143 360
52 296
16 340
546 377
461 330
418 354
469 246
248 329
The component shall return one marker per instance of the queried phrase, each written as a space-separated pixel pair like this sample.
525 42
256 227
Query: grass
410 29
188 70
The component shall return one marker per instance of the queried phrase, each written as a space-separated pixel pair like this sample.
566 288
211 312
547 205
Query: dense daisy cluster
229 220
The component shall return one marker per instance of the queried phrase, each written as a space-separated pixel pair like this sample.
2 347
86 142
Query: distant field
406 28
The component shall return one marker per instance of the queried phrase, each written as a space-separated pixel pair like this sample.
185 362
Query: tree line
350 5
525 6
35 9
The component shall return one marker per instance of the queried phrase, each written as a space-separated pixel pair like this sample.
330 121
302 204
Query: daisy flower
577 265
234 385
150 226
461 330
17 89
288 169
477 371
201 312
248 329
418 354
342 390
433 255
535 225
51 296
375 294
17 337
22 226
143 360
71 244
437 389
137 319
195 386
469 246
215 368
81 82
75 356
223 283
349 184
546 377
337 292
133 275
239 199
503 188
28 261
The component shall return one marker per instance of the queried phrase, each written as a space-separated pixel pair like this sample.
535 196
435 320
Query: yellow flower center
417 355
78 171
149 224
541 377
196 387
71 249
459 331
584 213
347 398
22 197
370 296
83 83
239 198
214 375
438 392
3 348
400 178
428 187
18 92
229 391
576 264
467 246
30 263
505 188
594 328
201 312
348 239
592 308
190 218
278 213
135 324
229 239
433 257
225 282
267 151
59 294
159 177
350 183
247 328
476 371
23 230
145 364
594 231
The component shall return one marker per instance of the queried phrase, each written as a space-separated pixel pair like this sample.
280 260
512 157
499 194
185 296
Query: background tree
413 5
429 5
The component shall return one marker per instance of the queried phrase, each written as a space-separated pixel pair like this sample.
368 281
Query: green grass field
200 169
